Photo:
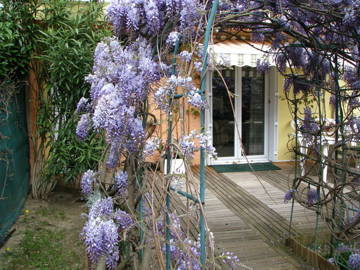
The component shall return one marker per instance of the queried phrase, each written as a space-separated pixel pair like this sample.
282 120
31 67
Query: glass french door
238 114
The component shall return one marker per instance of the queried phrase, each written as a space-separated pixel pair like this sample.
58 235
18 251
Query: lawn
46 236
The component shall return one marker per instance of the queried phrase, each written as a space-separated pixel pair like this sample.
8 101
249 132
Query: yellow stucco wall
284 119
285 131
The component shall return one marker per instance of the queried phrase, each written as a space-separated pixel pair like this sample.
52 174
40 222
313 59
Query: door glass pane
253 118
223 117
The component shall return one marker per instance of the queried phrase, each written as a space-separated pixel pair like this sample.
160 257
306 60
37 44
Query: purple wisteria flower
120 83
262 65
196 100
204 140
123 219
350 17
151 16
121 182
101 231
350 75
175 226
185 253
188 147
312 196
257 36
87 181
190 14
162 98
185 56
297 55
343 248
101 239
332 100
114 152
281 61
230 259
354 100
102 208
289 195
354 261
168 89
84 126
82 105
198 66
151 146
355 217
309 126
316 64
173 38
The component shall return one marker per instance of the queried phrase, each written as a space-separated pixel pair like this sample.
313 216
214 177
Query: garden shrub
17 31
64 50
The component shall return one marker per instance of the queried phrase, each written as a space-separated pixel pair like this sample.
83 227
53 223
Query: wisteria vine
132 81
314 45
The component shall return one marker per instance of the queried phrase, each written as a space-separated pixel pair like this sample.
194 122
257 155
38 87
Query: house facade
248 117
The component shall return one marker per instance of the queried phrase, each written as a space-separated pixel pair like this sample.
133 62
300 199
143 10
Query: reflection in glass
223 117
253 117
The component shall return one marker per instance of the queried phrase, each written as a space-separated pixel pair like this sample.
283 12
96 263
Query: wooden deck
267 184
248 216
232 233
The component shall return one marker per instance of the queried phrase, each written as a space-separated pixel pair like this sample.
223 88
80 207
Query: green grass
50 212
47 239
41 249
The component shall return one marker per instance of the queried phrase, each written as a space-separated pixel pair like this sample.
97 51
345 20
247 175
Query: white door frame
270 118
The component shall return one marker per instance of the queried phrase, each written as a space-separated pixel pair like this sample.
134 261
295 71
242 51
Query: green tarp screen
14 158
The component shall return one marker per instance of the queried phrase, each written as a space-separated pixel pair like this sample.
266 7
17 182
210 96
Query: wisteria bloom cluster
101 231
119 86
354 261
185 252
168 90
309 127
150 17
289 195
194 142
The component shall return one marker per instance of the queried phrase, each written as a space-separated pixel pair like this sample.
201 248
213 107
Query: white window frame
270 117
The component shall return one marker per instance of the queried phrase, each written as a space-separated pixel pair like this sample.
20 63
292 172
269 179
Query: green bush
70 32
17 31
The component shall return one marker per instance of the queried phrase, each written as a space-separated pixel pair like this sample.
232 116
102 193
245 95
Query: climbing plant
314 46
138 74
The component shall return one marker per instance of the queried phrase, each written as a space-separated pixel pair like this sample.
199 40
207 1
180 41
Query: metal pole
321 166
211 19
297 149
168 167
